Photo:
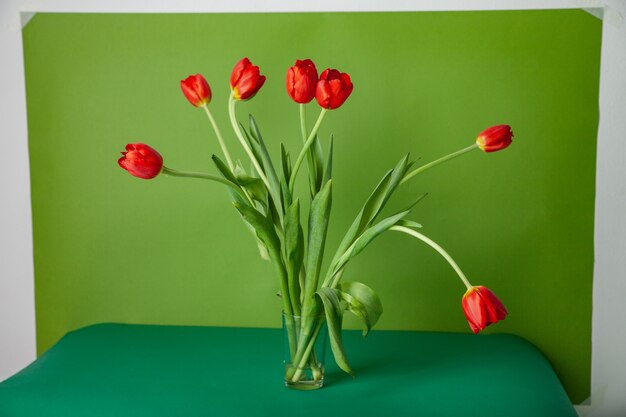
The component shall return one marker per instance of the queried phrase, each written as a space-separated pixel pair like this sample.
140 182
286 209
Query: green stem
309 155
190 174
438 248
302 357
220 139
242 140
305 150
437 162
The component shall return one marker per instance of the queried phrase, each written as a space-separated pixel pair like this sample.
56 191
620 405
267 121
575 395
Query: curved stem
220 139
438 248
191 174
437 162
305 150
242 140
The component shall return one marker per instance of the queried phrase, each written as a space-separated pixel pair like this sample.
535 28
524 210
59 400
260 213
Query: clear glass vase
304 347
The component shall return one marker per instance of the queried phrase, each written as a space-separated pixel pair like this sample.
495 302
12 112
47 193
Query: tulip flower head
333 89
482 308
196 89
246 80
495 138
302 81
141 161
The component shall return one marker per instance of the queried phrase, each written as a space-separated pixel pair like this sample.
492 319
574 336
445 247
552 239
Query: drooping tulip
333 89
196 90
302 81
246 80
141 161
482 308
495 138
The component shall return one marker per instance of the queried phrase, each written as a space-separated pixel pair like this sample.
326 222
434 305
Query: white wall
608 379
17 323
17 305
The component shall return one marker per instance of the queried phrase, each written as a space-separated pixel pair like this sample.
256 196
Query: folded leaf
363 302
409 223
334 319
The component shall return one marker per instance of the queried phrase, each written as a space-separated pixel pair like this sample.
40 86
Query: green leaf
409 223
254 146
334 318
273 214
239 199
267 234
372 207
284 193
366 238
319 214
294 250
268 167
363 302
377 200
264 229
318 164
328 173
374 204
285 162
237 196
223 169
254 186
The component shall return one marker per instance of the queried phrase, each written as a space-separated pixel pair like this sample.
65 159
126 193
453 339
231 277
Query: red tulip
196 89
333 89
141 161
482 308
495 138
246 80
302 81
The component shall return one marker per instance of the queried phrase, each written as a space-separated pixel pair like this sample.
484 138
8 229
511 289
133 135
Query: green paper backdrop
109 247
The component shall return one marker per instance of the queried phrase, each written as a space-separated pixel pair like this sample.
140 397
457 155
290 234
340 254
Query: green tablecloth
119 370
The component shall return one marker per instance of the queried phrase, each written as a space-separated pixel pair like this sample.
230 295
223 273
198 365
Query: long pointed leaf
334 318
367 237
260 151
318 159
328 172
319 214
372 207
285 162
294 250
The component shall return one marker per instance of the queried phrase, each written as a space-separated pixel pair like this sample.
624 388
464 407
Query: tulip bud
495 138
482 308
246 80
141 161
302 81
196 89
333 89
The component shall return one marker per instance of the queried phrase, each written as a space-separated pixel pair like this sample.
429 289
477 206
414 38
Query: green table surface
170 371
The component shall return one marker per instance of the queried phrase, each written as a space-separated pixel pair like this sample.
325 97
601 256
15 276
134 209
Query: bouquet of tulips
266 199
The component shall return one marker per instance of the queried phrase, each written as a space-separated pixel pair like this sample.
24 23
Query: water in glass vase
304 346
